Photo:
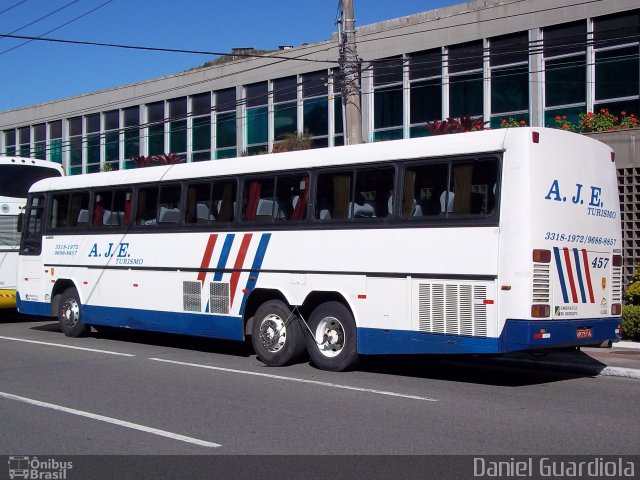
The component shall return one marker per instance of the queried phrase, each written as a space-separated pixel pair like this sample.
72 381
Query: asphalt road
135 393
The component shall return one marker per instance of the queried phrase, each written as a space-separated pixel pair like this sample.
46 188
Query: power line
44 16
31 39
12 7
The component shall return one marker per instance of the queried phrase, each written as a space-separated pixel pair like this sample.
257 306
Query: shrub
631 321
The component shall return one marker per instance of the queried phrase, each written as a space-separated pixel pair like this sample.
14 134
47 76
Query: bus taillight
540 311
541 256
616 309
617 260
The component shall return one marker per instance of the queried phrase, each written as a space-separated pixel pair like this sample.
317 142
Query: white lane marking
299 380
115 421
66 346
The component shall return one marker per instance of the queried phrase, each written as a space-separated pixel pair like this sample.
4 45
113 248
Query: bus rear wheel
70 314
333 343
277 335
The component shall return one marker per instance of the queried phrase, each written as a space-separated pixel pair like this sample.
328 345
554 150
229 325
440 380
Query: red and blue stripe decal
578 279
238 263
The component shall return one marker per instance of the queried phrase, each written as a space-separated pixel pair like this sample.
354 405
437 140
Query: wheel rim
273 333
70 312
330 337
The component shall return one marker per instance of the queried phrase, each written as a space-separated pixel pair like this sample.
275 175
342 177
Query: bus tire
277 336
70 314
332 343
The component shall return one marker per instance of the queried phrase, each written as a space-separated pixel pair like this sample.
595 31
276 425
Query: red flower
558 117
565 126
633 115
615 119
522 122
603 110
623 113
503 121
634 120
590 114
564 117
587 124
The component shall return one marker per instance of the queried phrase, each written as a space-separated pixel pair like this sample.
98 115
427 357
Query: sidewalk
622 360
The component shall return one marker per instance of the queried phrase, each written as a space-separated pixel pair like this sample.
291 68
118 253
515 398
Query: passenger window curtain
409 192
98 212
462 176
252 202
341 196
301 206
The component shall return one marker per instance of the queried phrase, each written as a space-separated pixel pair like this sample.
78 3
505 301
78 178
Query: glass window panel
466 95
510 89
55 150
425 190
616 108
426 101
509 49
572 115
316 116
226 99
256 94
201 156
227 153
314 84
226 129
55 129
616 29
131 116
565 38
178 108
465 56
285 119
40 150
39 132
155 112
10 137
334 196
201 104
178 136
387 70
374 192
75 126
418 131
111 146
258 200
256 150
169 204
24 135
425 64
322 142
112 120
93 149
93 123
156 139
147 206
284 89
201 133
565 81
387 107
337 105
257 125
617 73
131 143
292 196
384 135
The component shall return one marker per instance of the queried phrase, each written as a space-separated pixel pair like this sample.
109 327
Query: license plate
584 333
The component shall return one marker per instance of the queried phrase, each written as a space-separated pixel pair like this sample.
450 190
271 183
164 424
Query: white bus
484 242
17 174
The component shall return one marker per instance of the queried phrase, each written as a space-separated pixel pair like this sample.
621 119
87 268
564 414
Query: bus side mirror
20 222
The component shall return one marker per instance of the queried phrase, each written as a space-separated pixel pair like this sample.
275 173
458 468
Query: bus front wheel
277 335
333 343
70 314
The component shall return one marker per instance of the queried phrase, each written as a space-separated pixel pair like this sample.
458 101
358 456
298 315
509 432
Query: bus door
31 267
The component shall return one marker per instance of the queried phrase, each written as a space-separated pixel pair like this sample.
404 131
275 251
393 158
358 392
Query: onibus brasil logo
37 469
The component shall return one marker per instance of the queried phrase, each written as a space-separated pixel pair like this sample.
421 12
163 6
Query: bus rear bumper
539 334
7 299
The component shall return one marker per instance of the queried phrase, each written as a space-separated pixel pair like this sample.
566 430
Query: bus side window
258 200
59 211
473 183
333 196
224 201
423 188
169 204
291 197
147 206
374 192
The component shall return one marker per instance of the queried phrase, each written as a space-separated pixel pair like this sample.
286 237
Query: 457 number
600 262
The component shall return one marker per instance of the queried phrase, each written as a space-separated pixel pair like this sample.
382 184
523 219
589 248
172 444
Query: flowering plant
629 121
564 124
512 122
597 122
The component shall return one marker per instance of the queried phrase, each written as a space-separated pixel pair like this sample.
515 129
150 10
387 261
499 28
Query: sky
37 71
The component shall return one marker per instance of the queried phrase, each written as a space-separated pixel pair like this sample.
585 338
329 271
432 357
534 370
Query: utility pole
350 73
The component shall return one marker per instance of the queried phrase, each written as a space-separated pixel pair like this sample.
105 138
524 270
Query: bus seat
110 218
202 212
324 214
365 210
169 215
83 217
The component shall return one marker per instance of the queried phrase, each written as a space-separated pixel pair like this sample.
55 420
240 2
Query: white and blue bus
17 174
483 242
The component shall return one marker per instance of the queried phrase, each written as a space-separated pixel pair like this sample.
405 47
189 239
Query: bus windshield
15 180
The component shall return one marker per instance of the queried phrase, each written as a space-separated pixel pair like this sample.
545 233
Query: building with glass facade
530 60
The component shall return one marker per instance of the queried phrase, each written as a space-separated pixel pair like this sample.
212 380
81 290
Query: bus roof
436 146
